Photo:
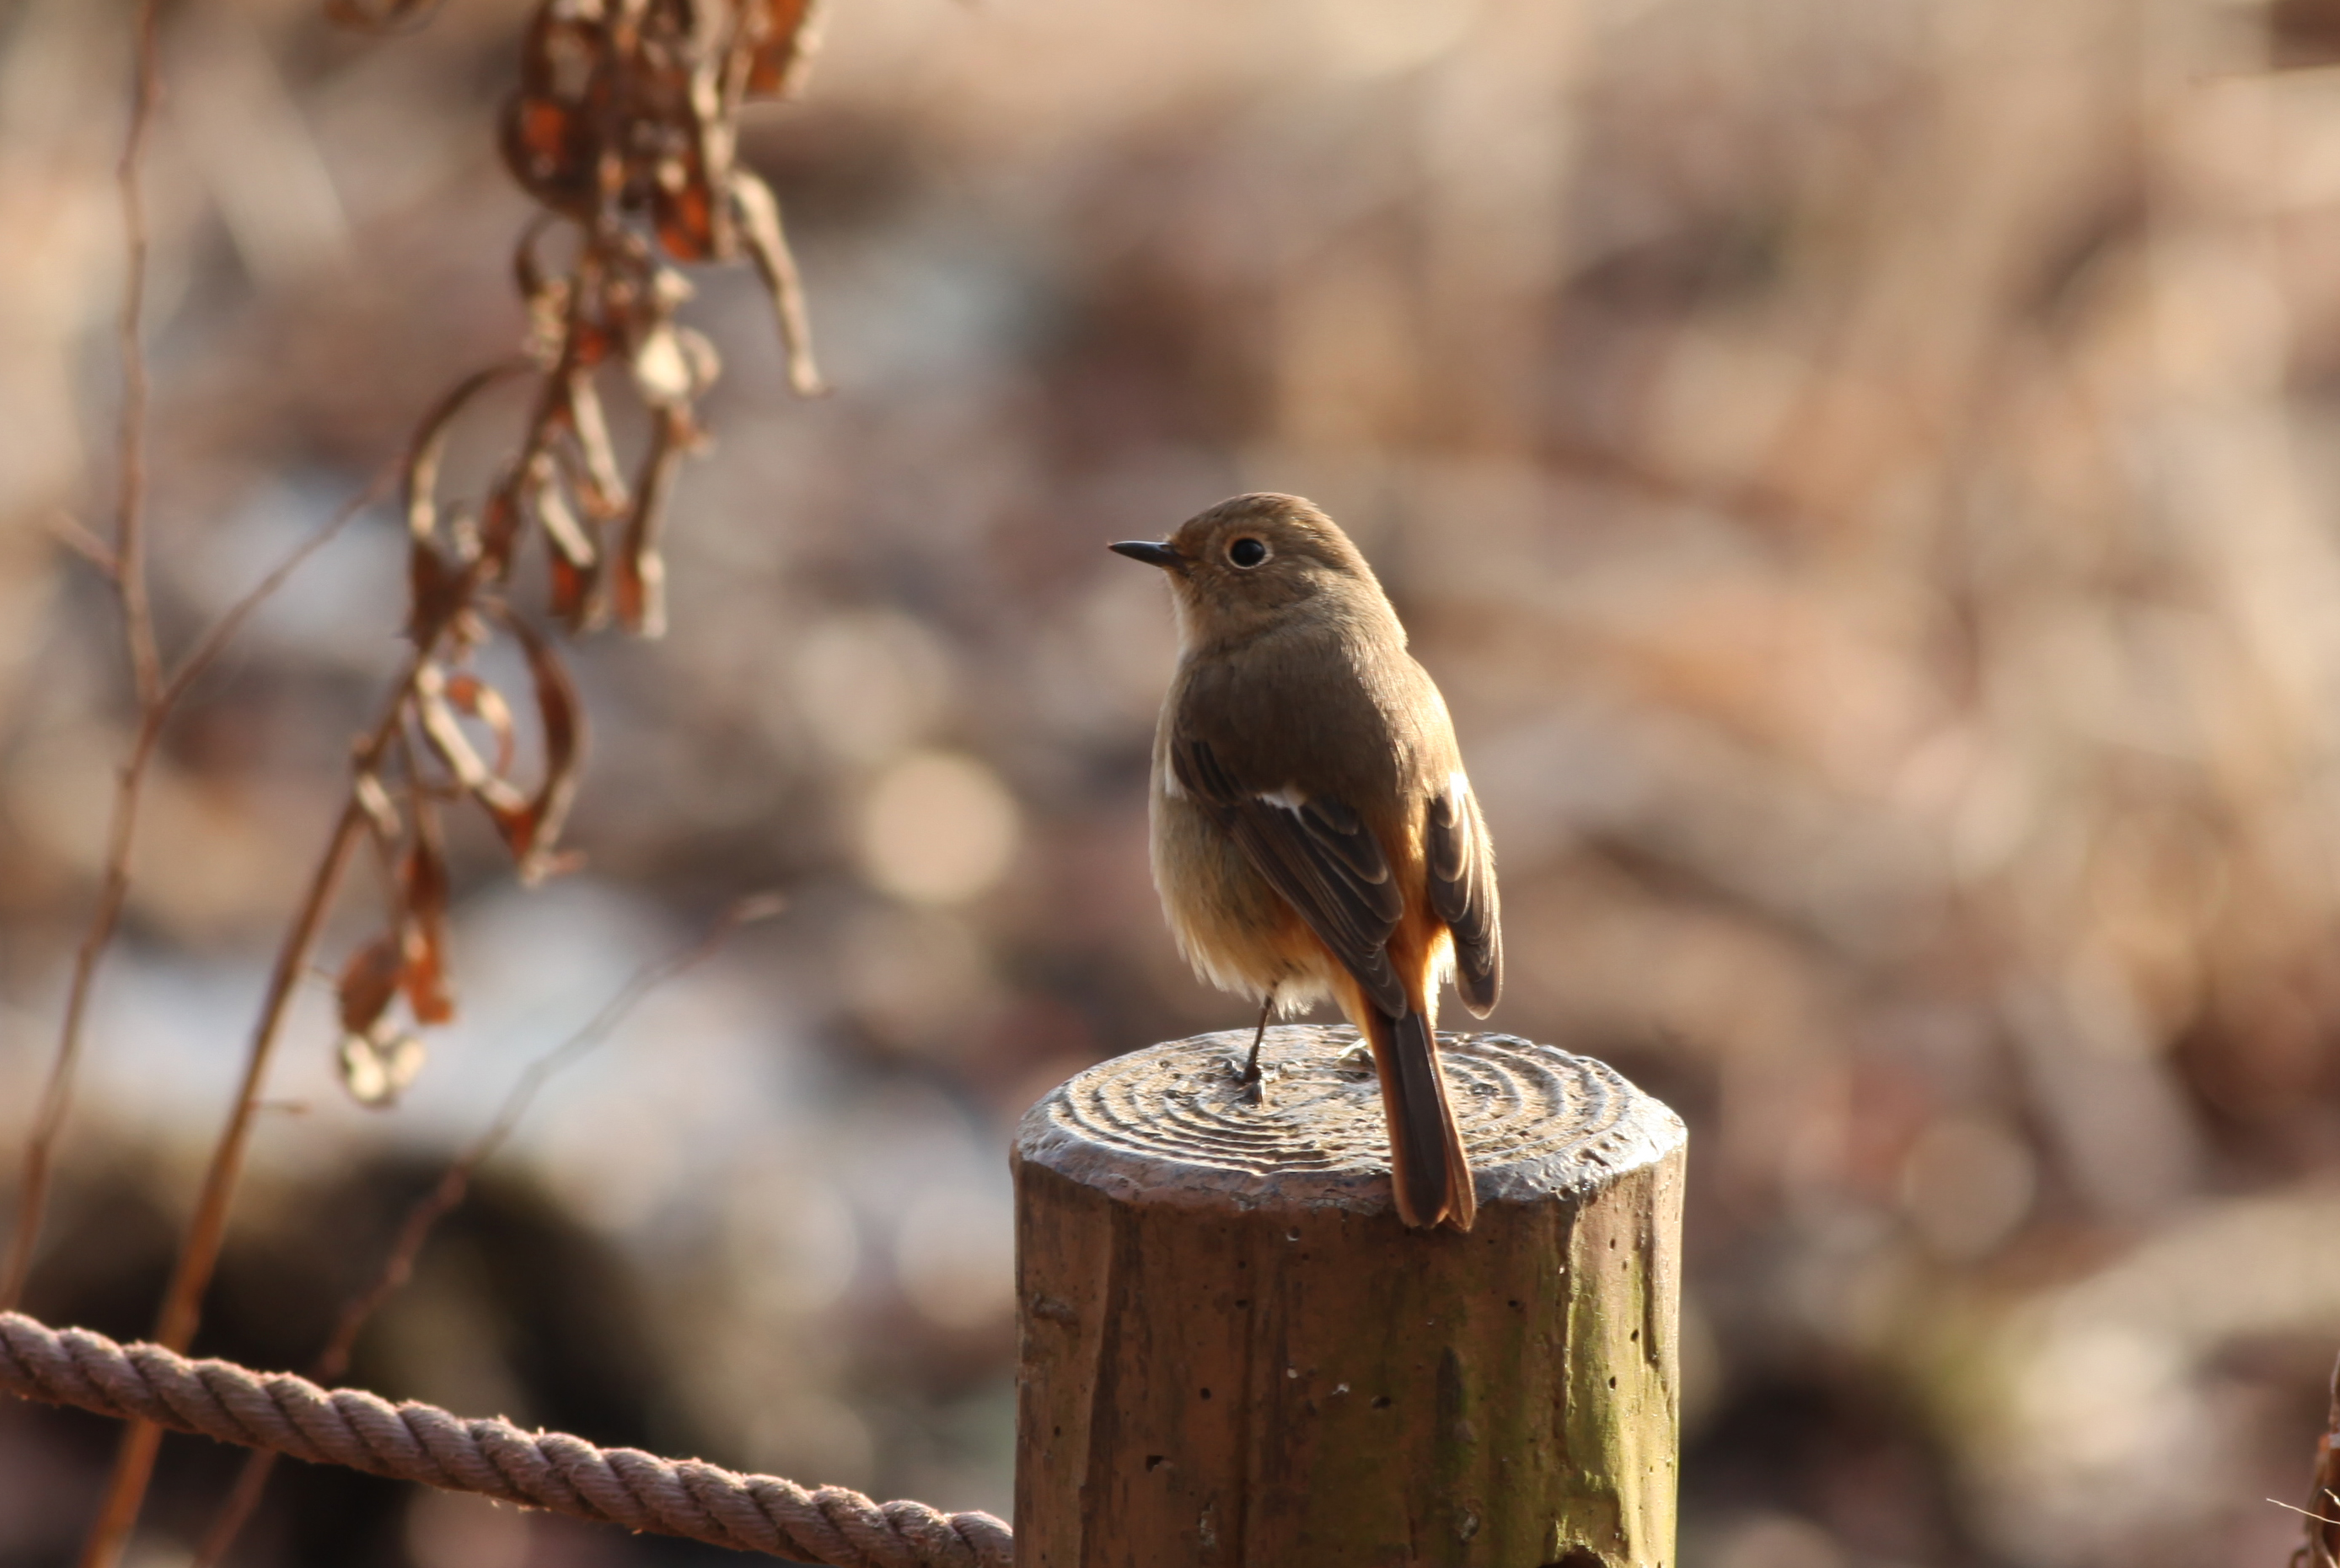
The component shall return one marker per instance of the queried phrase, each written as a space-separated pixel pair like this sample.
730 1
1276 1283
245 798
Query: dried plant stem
56 1097
127 571
453 1186
181 1307
122 828
130 530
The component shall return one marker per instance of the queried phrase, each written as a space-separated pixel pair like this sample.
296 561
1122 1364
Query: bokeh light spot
938 829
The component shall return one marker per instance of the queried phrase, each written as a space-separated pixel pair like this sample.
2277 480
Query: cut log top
1233 1354
1172 1122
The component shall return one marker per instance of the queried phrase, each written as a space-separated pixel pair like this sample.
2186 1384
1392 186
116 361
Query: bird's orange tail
1427 1165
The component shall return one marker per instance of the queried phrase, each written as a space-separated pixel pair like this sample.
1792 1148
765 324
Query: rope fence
549 1470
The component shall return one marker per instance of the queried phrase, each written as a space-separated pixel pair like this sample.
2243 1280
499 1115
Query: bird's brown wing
1315 851
1462 867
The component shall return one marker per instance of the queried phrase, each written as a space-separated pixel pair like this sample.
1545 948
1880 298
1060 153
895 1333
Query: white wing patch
1289 797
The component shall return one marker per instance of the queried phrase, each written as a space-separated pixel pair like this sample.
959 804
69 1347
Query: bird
1313 830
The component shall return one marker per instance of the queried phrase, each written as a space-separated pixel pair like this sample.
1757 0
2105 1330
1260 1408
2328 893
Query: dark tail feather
1427 1165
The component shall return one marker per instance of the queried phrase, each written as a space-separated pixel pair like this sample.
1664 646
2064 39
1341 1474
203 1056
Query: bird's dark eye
1246 552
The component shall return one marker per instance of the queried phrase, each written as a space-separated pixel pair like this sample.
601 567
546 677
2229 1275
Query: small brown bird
1314 832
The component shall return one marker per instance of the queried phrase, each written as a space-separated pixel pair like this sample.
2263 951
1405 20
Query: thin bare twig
199 1254
130 585
56 1094
221 632
2322 1533
124 563
454 1185
75 535
130 530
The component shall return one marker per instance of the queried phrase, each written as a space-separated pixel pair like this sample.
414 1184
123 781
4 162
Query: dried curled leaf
548 133
497 533
690 223
368 981
604 490
439 584
546 293
548 149
563 529
767 244
435 709
532 830
575 560
575 604
624 125
637 575
787 36
435 591
424 892
373 799
420 470
471 695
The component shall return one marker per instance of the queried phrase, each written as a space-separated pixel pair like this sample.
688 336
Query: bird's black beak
1148 551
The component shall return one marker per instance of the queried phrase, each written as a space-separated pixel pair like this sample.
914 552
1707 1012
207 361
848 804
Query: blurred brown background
1860 469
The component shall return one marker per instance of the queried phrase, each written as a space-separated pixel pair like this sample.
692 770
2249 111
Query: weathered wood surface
1233 1352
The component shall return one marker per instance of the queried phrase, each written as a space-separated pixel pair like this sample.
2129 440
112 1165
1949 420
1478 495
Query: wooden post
1234 1355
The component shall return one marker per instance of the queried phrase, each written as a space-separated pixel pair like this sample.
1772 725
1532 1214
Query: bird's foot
1254 1077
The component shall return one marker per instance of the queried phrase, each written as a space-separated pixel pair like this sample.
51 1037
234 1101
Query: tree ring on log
1536 1121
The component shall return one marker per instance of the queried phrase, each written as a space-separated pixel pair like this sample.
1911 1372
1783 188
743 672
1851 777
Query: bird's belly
1239 933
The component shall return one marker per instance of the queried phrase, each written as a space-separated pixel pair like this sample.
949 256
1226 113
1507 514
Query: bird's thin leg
1251 1078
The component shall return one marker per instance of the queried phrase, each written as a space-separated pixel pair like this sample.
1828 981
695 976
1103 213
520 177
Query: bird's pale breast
1238 932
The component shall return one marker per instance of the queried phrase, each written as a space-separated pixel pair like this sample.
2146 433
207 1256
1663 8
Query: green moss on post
1234 1355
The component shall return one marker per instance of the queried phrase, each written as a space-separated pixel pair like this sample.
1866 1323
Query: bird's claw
1253 1076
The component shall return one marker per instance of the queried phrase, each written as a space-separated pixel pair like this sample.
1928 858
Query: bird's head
1250 563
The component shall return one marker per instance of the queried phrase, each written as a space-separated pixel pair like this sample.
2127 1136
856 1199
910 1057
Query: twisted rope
553 1470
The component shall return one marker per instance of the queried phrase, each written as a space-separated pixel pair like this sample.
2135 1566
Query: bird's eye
1246 552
